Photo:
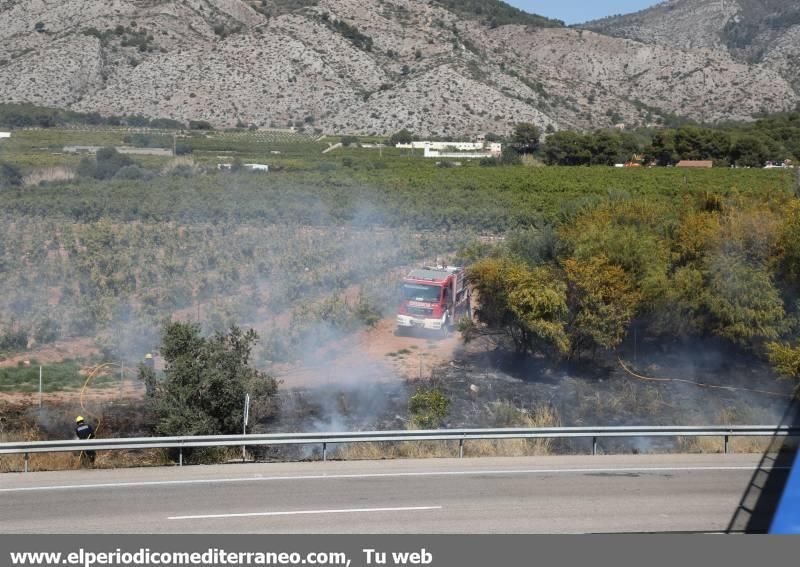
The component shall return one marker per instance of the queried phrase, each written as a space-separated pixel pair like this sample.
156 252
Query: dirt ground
57 352
129 389
376 355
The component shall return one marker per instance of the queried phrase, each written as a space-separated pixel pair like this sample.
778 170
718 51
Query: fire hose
93 372
700 384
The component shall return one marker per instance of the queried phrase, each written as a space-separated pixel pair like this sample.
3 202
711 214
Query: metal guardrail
460 435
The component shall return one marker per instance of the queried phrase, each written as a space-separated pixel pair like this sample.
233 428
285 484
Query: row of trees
24 115
775 138
742 147
712 267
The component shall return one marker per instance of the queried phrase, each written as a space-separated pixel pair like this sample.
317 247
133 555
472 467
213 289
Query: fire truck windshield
418 292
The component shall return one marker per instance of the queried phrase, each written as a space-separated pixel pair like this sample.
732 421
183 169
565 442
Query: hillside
752 31
364 66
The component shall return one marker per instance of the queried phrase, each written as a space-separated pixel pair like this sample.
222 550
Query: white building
467 150
444 146
248 166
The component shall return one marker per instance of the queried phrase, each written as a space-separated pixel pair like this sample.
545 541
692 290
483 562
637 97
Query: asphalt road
642 493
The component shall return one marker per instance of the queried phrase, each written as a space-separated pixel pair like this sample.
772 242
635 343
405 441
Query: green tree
108 162
742 300
205 382
602 300
749 151
785 359
10 176
525 138
662 148
606 148
567 148
401 137
523 305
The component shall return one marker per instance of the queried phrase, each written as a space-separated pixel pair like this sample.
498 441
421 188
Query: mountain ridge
364 67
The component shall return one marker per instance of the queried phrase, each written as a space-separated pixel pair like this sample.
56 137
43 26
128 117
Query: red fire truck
433 298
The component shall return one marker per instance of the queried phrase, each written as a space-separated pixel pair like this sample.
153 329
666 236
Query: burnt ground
732 388
479 379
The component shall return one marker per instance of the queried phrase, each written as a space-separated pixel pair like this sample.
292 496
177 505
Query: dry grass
72 461
503 414
731 416
49 174
185 163
735 444
530 161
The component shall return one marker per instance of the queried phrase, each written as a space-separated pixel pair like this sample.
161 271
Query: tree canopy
205 382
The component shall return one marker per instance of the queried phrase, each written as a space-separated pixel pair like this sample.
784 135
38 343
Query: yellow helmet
79 419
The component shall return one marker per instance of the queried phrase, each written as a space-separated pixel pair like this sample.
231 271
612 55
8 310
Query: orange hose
699 384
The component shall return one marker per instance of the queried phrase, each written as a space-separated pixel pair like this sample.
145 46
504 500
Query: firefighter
85 431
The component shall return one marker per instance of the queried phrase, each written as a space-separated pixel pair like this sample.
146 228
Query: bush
205 382
14 340
510 157
428 408
10 176
132 172
108 162
401 137
46 331
200 125
183 149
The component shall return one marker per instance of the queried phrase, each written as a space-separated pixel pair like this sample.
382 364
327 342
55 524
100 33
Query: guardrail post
726 444
180 456
324 452
26 462
460 448
594 446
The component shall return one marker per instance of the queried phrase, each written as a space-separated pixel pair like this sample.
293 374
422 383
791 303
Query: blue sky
577 11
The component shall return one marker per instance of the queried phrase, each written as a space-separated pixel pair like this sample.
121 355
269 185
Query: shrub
108 162
200 125
10 176
205 382
183 149
428 408
132 172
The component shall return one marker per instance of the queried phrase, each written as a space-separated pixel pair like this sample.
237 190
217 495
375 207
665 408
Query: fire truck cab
433 298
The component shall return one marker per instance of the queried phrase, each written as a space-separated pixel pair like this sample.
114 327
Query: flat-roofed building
697 164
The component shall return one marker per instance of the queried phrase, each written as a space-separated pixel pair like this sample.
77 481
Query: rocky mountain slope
764 32
366 66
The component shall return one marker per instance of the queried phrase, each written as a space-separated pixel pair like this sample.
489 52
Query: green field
55 378
113 259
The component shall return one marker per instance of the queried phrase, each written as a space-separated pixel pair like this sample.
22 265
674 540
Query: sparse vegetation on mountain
495 13
440 68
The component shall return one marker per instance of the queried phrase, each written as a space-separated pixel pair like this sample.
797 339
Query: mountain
437 67
762 32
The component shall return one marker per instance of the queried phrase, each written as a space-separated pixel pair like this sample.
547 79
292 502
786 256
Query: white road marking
384 475
308 512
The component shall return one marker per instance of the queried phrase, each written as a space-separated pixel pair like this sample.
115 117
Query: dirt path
373 355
